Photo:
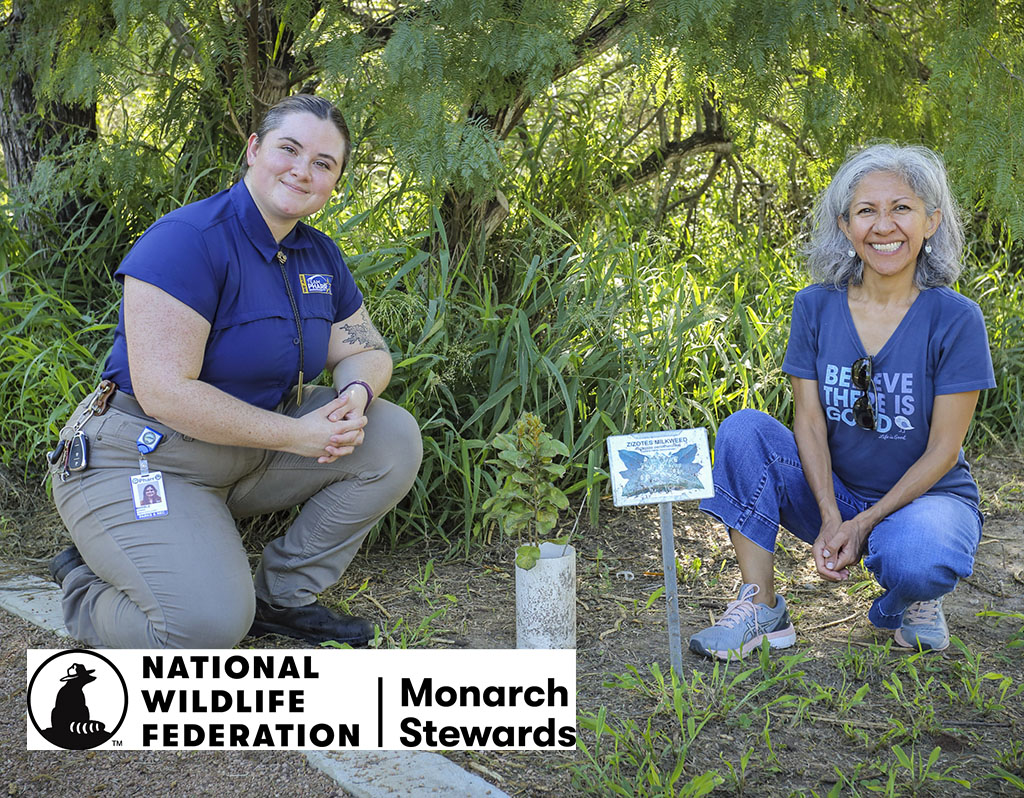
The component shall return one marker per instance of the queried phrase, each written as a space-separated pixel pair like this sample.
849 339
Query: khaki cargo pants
183 580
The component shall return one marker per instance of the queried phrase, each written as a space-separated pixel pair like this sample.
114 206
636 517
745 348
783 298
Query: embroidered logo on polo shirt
316 283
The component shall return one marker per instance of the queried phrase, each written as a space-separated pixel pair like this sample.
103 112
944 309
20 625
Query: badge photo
148 495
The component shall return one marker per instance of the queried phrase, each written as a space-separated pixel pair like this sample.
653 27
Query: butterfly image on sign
654 467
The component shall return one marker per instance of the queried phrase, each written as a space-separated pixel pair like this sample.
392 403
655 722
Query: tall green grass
51 354
599 334
596 340
1000 293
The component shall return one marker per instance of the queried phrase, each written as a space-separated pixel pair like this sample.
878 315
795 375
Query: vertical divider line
380 712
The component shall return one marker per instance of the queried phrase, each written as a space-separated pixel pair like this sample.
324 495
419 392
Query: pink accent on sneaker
783 638
925 625
741 619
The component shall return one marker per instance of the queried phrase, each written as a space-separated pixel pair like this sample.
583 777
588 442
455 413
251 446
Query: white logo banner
302 699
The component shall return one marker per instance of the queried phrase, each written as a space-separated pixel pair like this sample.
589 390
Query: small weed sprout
921 771
980 689
401 634
736 775
1011 766
528 500
1017 638
1012 757
688 568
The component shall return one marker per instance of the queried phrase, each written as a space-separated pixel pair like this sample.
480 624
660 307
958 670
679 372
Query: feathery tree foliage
581 208
438 92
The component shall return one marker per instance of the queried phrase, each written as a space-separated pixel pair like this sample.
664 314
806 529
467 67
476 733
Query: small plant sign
661 468
527 501
657 467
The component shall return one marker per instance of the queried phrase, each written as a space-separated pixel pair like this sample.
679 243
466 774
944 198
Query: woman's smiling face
887 224
294 169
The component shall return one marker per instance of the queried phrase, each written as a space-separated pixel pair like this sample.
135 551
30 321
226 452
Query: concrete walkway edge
34 600
386 774
364 774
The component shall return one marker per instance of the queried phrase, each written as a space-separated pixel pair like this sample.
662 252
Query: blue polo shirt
218 257
939 347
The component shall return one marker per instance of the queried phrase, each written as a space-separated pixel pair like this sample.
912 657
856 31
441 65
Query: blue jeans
917 553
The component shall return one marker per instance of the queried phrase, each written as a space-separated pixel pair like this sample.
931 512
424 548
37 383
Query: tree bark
469 220
31 128
673 152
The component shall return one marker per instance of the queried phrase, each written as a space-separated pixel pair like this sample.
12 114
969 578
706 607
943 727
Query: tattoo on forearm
363 333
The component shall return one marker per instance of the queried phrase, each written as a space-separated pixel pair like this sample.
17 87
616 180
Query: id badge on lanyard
148 494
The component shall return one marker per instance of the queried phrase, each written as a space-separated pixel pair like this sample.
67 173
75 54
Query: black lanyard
281 258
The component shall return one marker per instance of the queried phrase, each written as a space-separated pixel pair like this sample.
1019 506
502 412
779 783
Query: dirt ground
422 597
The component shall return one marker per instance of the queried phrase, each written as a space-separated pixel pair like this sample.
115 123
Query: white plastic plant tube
546 600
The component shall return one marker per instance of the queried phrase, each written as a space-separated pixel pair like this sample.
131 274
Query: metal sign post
668 563
661 468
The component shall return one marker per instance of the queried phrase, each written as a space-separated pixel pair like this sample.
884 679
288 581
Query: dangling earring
850 253
927 248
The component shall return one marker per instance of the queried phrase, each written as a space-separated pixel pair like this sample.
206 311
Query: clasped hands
332 430
839 544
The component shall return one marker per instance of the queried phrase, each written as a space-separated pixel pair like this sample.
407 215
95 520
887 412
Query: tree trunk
468 221
265 66
29 129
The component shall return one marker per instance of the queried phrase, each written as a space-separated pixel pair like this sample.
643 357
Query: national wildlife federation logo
77 699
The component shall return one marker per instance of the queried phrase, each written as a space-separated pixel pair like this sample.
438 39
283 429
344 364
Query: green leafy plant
987 691
528 499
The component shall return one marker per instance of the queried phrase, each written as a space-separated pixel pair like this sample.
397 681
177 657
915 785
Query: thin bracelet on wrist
369 390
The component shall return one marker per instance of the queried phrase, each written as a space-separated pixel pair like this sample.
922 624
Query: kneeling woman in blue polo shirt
231 305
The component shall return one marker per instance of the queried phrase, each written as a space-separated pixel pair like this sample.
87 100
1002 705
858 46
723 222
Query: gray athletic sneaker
924 626
743 626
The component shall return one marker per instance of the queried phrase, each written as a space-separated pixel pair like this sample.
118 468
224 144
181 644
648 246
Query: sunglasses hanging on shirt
862 377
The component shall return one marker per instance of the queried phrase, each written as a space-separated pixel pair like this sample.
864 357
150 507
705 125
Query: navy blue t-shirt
218 257
939 347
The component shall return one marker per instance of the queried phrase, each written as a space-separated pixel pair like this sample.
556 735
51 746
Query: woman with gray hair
886 362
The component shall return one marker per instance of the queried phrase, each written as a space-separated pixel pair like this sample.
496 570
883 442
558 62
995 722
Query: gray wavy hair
925 173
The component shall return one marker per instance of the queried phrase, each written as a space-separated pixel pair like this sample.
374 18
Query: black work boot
64 563
313 622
